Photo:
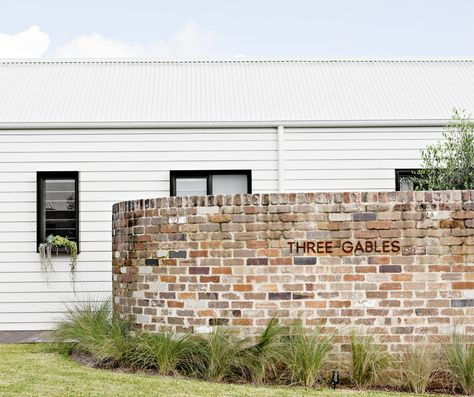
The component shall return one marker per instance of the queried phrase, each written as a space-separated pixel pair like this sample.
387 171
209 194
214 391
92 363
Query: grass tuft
306 355
418 365
460 358
367 360
94 330
166 352
264 360
222 356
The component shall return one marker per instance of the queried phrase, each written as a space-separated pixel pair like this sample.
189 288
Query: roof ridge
231 60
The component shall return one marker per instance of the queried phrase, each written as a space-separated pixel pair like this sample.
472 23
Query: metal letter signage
347 247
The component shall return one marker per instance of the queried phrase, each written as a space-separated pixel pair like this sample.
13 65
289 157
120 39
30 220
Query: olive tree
449 163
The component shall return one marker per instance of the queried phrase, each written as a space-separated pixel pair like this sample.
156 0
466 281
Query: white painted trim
223 124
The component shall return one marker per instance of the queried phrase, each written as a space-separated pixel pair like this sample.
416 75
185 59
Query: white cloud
191 41
30 43
97 46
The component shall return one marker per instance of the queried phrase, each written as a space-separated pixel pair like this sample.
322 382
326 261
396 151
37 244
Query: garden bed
282 355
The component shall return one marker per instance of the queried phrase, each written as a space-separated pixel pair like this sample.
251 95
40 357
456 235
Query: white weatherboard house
77 136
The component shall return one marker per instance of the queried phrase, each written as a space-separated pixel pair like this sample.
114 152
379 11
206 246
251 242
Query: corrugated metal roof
235 90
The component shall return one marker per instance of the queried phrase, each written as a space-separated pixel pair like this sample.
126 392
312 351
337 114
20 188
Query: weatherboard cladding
236 90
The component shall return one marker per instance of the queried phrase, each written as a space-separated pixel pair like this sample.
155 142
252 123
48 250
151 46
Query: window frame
208 174
403 172
40 177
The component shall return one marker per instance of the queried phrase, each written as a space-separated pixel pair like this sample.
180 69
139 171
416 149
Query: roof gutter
222 124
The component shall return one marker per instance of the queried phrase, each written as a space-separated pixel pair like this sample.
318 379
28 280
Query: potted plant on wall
57 244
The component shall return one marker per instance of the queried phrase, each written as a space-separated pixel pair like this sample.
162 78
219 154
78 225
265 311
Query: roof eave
223 124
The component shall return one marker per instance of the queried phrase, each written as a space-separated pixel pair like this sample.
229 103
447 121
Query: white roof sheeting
82 91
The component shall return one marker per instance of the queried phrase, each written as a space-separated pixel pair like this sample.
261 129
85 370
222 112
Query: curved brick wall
400 263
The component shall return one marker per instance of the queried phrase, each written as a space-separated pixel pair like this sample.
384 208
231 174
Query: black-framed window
204 182
406 179
57 205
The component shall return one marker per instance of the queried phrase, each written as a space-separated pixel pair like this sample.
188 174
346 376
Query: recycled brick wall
192 263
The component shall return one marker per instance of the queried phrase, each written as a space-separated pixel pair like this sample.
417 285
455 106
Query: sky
236 28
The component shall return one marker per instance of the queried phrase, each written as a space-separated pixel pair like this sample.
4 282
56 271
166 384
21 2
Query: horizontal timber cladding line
400 264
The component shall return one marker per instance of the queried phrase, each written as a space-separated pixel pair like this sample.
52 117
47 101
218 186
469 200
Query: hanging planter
57 244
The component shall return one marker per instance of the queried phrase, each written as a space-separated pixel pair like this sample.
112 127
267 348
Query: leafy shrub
306 354
449 163
460 358
367 360
418 365
94 330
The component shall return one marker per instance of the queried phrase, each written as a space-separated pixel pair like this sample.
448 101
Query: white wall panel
348 159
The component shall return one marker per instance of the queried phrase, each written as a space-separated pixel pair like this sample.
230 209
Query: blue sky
229 28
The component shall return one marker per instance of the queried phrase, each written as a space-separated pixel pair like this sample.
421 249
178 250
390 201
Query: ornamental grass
281 354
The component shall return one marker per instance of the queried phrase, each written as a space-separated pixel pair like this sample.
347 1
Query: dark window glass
196 183
57 205
406 179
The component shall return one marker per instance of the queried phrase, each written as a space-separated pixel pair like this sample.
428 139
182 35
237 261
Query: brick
208 295
199 270
269 252
175 304
353 277
378 260
366 269
390 286
177 254
315 304
426 312
257 262
253 244
366 234
242 321
339 217
168 279
281 261
365 216
198 254
218 321
462 215
302 295
243 287
220 218
378 225
279 295
450 224
244 253
304 260
390 269
402 330
463 285
221 270
168 262
402 277
462 302
209 279
152 262
340 304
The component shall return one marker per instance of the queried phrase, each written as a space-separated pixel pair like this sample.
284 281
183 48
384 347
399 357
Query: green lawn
40 370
